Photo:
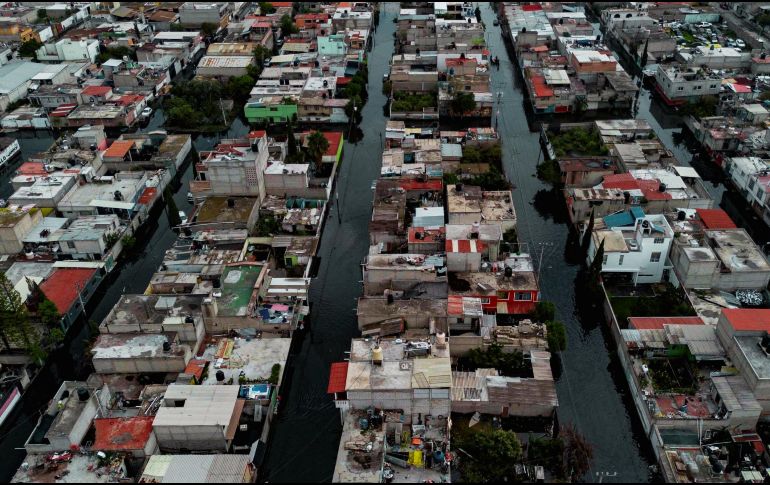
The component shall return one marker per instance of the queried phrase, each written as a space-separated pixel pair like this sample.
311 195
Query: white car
704 25
183 217
146 112
740 43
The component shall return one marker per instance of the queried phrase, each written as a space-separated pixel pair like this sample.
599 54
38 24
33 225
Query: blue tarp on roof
625 218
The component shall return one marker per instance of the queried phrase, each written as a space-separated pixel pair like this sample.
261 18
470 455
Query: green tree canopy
317 144
544 311
266 8
29 48
209 28
557 336
48 313
463 102
287 25
490 455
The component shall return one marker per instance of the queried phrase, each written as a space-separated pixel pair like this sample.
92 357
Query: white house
636 246
751 176
69 50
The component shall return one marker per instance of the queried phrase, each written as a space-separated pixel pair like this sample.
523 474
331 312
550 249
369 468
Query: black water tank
681 215
83 394
220 376
459 188
166 346
216 283
626 197
508 272
189 319
662 187
65 394
231 203
390 298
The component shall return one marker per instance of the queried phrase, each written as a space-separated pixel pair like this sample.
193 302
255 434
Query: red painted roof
433 185
62 285
656 323
257 134
464 246
531 7
119 149
96 90
32 168
338 377
715 219
748 319
122 434
428 235
342 81
148 195
196 367
541 88
129 99
334 138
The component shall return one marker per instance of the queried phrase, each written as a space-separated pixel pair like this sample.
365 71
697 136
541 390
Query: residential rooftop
252 358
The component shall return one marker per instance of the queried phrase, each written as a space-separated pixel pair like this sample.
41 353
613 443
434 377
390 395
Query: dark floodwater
306 435
133 276
591 387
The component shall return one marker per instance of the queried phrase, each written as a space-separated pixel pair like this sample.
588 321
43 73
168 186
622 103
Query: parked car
183 217
740 43
146 112
704 25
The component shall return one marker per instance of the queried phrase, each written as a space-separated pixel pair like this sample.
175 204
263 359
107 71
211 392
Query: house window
604 260
713 86
658 240
655 257
680 88
697 88
523 296
70 244
751 184
486 301
502 295
620 260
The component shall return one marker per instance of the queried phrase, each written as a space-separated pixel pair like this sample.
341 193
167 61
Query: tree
763 20
209 28
510 364
598 262
14 322
317 144
544 311
239 87
557 336
176 27
29 48
490 455
260 54
48 313
463 102
578 452
293 154
589 232
287 25
266 8
42 14
353 109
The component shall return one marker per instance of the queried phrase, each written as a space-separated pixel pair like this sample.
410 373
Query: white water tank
441 340
377 355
